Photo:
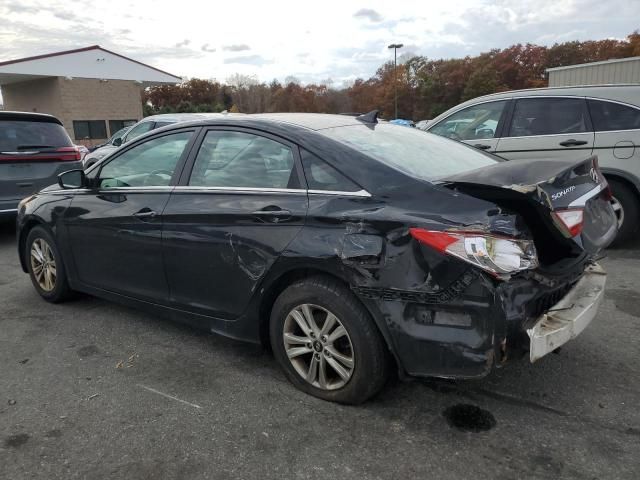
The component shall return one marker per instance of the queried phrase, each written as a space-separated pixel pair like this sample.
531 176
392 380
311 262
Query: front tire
625 205
326 342
45 266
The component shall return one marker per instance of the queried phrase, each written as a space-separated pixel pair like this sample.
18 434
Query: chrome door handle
273 213
145 213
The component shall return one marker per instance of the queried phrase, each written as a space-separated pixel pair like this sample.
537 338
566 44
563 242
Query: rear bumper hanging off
570 316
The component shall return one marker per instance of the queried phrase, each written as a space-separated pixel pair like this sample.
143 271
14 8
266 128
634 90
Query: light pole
395 47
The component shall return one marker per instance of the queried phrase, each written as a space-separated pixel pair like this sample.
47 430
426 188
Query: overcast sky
312 41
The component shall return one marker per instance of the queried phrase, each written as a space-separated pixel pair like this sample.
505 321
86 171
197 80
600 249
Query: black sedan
347 245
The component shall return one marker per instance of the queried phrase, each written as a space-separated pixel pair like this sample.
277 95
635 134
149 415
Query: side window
243 160
472 123
150 164
138 130
322 176
607 116
548 116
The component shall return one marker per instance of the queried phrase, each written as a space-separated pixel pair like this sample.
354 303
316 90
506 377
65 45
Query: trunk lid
545 191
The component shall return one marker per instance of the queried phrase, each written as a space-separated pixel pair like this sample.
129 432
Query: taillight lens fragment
498 255
570 221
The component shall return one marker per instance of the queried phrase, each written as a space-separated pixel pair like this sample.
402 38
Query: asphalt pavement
91 389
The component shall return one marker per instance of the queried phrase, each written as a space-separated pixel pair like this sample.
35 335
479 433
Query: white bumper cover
570 316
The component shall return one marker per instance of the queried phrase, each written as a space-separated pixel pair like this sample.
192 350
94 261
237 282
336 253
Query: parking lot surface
90 389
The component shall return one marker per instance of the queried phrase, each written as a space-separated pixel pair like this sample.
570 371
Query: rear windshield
422 155
18 135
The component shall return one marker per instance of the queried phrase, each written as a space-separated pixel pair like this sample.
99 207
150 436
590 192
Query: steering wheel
157 173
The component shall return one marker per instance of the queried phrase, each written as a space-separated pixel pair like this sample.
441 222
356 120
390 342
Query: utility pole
395 47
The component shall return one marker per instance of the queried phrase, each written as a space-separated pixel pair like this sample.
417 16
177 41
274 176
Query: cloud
18 7
183 43
257 60
368 14
273 44
236 48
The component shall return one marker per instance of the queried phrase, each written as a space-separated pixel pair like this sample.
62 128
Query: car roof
613 92
28 116
311 121
181 117
624 93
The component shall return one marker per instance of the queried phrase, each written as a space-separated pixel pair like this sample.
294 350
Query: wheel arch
28 225
627 179
270 293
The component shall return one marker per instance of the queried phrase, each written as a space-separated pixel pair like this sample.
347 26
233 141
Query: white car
143 126
560 122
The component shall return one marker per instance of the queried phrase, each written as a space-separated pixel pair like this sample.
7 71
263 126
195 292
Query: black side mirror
72 179
117 142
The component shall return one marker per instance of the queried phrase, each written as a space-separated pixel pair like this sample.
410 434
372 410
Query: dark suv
34 149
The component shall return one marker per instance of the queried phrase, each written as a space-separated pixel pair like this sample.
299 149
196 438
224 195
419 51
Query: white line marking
153 390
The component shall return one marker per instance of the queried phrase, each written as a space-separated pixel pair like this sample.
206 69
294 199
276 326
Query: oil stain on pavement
627 301
469 418
15 441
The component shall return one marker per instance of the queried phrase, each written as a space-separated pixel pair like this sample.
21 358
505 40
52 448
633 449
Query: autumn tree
426 87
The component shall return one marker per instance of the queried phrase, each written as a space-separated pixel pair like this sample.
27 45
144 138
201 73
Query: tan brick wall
77 99
42 96
92 99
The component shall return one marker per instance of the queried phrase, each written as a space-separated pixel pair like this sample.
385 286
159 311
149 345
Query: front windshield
414 152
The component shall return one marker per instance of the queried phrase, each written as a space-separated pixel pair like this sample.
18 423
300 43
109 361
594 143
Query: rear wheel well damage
272 292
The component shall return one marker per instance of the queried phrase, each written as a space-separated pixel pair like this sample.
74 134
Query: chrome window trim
194 188
9 210
158 189
64 190
359 193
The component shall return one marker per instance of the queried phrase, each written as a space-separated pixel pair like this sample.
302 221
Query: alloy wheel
43 264
318 346
618 210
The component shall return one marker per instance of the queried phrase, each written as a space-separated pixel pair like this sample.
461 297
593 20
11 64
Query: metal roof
603 62
89 62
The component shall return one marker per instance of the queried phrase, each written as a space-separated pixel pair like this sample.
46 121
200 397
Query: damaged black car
347 245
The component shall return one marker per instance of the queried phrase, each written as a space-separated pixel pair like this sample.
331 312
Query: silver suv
562 122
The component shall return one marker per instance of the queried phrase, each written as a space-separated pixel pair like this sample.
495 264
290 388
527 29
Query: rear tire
350 356
46 269
625 204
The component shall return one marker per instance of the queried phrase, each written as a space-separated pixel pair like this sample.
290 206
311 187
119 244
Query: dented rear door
239 206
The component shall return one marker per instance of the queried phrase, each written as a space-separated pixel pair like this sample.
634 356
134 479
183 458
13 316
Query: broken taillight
497 255
570 221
